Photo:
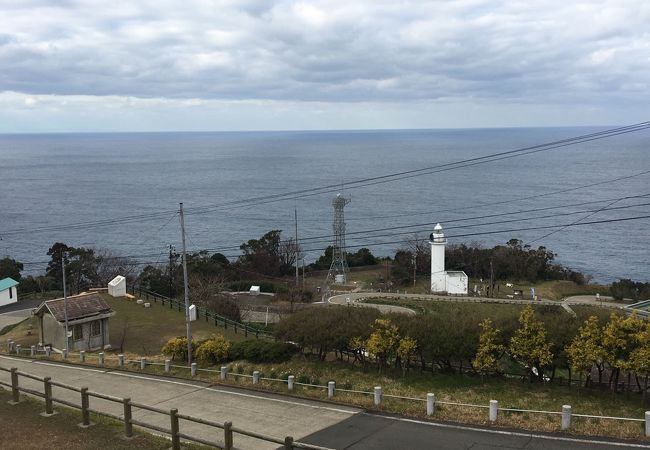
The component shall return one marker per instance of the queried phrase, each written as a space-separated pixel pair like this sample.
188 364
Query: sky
226 65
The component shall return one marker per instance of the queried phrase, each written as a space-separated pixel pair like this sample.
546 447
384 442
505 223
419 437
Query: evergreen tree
489 349
529 345
586 349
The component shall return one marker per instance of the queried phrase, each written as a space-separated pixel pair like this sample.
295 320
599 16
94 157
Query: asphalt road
319 423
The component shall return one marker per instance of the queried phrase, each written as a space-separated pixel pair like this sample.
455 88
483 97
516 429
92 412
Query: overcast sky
339 64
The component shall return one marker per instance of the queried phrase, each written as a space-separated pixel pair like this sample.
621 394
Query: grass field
143 330
24 428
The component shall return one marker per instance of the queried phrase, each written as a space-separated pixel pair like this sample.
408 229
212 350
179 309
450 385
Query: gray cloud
328 50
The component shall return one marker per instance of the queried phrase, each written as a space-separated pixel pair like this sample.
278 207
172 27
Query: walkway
315 422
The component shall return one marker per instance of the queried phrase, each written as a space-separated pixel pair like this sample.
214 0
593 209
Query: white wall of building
457 283
6 298
117 286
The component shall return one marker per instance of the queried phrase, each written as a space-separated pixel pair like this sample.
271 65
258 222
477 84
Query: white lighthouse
438 275
449 282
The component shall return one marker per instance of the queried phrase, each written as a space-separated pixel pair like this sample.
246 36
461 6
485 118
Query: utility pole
188 324
415 266
295 216
171 270
65 301
491 279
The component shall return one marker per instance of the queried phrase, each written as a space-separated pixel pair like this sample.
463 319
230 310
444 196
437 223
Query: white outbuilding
450 282
254 290
8 291
117 286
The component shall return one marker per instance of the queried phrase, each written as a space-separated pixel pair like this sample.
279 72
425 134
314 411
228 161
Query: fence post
143 363
32 350
566 417
168 365
494 408
647 423
256 376
85 414
290 380
15 393
331 386
48 351
120 360
17 349
224 372
128 426
101 358
82 356
48 396
431 404
11 344
176 441
377 395
227 435
193 369
288 443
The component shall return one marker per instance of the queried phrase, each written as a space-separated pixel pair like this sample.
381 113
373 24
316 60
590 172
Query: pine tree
489 349
529 345
586 349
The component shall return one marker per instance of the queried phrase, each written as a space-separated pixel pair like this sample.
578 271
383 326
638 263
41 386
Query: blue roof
7 283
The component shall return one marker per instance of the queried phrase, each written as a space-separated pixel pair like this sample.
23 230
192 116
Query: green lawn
142 331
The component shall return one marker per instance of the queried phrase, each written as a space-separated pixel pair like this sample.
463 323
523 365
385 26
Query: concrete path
318 423
13 317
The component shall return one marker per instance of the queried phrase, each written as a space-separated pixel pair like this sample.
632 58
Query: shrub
258 351
213 350
177 347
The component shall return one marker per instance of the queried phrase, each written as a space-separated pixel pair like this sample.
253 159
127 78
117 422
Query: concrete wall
457 284
4 296
117 287
53 332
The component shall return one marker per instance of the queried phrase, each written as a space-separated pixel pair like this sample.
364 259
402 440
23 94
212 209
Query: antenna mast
339 268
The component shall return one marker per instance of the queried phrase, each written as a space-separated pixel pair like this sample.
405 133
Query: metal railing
209 316
127 417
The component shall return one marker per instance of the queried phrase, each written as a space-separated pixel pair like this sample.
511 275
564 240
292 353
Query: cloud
586 54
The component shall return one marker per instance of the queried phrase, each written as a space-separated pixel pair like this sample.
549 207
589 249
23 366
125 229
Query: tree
10 268
383 341
269 255
619 343
529 345
489 350
639 359
177 347
586 349
405 351
54 268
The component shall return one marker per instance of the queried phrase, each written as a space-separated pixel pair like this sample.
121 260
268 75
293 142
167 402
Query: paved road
13 317
319 423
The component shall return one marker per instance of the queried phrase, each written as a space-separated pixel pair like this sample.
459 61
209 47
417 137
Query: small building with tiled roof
8 291
87 316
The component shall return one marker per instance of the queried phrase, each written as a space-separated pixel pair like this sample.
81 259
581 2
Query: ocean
51 181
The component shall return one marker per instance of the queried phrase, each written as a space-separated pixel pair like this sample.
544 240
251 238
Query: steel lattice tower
339 264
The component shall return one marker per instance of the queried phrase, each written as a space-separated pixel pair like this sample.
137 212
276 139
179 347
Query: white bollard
101 358
566 417
494 408
193 369
11 344
65 353
168 365
331 386
256 376
82 356
431 404
290 381
224 372
647 424
32 350
377 395
17 349
48 351
143 363
120 360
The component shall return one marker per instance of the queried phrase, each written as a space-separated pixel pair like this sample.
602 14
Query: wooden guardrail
127 417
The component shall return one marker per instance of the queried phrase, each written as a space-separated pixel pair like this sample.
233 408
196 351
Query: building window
95 328
11 293
77 332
